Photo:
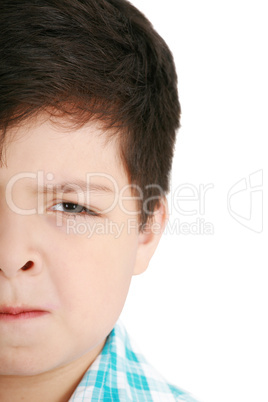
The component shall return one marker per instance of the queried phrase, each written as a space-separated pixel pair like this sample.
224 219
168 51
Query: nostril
27 266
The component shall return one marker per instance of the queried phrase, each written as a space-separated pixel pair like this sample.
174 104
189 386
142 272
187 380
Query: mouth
8 313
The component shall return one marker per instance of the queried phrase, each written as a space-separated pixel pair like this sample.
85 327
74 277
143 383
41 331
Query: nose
18 253
26 267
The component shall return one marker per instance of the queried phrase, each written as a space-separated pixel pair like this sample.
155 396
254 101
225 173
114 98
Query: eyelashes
71 209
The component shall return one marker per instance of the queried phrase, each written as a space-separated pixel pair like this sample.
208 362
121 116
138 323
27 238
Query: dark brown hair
93 59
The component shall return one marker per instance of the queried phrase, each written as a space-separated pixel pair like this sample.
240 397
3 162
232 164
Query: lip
9 313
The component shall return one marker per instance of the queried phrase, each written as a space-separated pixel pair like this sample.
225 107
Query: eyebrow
69 186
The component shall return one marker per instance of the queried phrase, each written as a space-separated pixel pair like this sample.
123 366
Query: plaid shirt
121 374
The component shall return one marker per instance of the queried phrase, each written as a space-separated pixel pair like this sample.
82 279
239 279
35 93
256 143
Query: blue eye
70 208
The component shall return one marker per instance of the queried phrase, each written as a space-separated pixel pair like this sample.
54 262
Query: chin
19 364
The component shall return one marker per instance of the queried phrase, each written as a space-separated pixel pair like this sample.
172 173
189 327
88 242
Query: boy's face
79 268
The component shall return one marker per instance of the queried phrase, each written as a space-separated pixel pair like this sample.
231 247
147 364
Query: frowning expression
67 250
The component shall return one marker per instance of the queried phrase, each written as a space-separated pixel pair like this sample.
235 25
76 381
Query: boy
88 113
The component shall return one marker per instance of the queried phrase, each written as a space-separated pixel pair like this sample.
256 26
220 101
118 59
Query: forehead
54 148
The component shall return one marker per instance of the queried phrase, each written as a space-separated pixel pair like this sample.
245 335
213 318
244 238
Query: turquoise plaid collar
121 374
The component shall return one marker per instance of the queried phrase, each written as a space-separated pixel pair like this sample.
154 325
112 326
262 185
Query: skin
80 281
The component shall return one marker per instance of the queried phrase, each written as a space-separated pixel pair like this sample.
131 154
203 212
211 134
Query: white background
199 313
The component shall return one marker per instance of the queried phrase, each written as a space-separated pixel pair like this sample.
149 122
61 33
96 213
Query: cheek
92 276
